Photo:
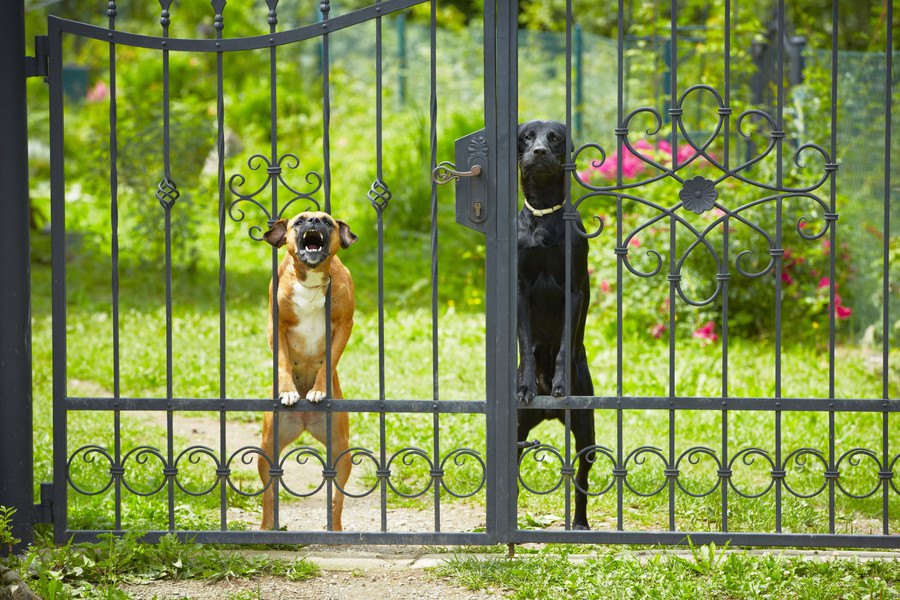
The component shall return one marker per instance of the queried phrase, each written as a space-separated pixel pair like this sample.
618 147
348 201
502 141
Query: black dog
542 295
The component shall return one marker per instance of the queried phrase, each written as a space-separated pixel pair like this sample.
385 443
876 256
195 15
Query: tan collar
540 212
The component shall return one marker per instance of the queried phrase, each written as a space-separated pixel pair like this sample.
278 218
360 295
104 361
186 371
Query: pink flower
786 278
685 153
98 93
634 242
842 312
665 147
707 332
824 283
643 145
604 286
658 330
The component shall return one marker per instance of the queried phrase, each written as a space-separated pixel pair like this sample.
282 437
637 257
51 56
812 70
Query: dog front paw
559 386
315 396
289 398
526 393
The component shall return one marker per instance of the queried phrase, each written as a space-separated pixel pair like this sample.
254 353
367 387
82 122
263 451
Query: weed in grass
709 573
97 570
6 537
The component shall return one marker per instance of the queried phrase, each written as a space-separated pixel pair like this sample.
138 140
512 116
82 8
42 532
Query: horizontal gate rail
716 403
238 404
303 537
256 42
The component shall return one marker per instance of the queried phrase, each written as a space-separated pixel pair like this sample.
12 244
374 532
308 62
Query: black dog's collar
540 212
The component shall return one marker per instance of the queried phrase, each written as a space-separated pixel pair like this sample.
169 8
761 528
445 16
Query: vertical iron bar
325 8
273 141
724 268
501 115
886 265
219 24
167 210
58 251
111 12
832 265
674 112
569 215
579 81
777 253
17 457
436 421
620 257
379 209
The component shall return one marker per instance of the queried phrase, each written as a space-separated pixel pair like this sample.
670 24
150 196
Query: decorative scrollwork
800 458
459 457
274 178
748 457
141 455
539 454
356 456
88 454
694 456
379 195
854 459
407 457
639 457
589 454
700 194
246 456
301 455
167 192
194 455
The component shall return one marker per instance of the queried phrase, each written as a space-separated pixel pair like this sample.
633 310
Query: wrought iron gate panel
500 466
699 195
233 200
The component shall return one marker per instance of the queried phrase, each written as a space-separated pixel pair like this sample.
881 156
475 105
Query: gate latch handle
446 172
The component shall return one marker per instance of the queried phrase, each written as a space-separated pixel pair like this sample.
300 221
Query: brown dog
309 267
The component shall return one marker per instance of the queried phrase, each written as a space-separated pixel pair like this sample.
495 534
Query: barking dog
307 271
542 295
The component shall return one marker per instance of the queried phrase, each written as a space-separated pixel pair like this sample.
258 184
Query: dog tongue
312 246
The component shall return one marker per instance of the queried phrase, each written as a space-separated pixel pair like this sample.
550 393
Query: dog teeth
289 398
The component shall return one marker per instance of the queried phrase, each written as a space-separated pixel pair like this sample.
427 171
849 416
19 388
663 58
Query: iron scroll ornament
394 466
274 178
808 466
700 194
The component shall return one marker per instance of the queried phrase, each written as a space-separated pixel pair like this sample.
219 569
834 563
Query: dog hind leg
290 426
340 442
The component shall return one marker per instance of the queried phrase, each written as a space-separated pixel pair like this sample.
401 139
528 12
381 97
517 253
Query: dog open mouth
313 241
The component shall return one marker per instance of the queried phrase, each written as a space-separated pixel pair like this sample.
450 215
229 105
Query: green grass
708 572
99 570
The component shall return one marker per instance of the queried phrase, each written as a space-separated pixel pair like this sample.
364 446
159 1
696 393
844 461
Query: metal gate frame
501 466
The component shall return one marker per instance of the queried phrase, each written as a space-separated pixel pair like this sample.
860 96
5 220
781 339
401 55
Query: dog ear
348 238
277 234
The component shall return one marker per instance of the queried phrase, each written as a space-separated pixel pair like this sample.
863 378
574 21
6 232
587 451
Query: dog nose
539 151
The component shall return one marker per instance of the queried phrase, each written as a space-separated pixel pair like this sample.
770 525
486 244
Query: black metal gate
486 201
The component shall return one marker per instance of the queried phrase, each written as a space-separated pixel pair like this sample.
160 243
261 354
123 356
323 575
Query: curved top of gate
255 42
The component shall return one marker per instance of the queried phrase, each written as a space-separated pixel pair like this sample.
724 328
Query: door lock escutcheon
471 152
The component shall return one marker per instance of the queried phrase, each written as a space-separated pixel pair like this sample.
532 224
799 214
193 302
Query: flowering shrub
805 285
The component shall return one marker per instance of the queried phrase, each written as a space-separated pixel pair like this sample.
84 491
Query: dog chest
307 337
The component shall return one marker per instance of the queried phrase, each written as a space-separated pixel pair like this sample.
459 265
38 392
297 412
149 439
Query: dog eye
529 135
553 138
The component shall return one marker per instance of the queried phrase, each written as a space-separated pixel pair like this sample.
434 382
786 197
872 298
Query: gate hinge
43 512
37 65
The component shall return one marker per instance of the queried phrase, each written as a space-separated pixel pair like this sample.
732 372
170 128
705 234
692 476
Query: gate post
16 440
